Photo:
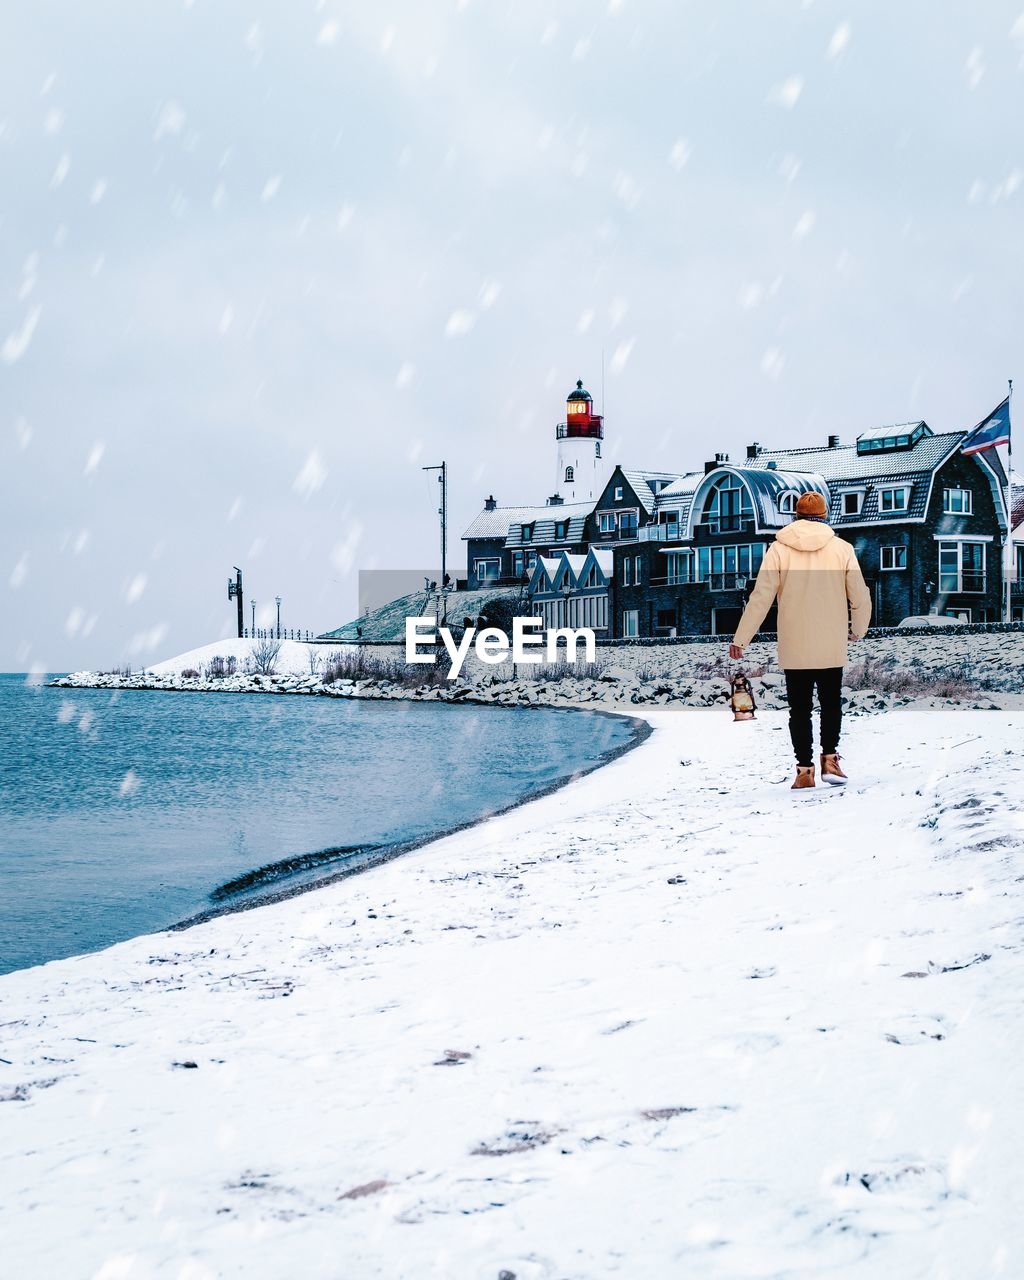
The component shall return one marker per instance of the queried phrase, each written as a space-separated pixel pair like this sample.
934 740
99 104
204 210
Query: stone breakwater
614 688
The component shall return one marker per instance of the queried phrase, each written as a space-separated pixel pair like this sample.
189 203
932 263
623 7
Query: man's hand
735 652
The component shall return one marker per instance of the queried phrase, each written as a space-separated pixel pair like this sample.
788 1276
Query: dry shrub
885 677
361 664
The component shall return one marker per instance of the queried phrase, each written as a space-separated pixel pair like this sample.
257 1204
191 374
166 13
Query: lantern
742 699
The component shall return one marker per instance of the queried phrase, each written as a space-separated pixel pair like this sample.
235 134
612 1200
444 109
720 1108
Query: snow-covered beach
670 1020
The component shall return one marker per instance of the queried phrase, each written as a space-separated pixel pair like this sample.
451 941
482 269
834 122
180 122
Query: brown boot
830 770
804 777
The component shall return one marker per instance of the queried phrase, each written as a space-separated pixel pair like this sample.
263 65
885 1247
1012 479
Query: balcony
715 525
591 429
670 531
713 582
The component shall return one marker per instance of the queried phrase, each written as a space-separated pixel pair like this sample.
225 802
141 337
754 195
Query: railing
580 430
713 581
667 532
276 633
722 524
970 584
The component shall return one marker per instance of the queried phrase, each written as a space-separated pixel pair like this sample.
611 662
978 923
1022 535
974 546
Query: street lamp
277 601
253 603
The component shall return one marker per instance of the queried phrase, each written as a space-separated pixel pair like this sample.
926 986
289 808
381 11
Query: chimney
490 504
710 466
555 500
833 442
753 450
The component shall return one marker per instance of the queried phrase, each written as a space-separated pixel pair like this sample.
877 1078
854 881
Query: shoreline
378 855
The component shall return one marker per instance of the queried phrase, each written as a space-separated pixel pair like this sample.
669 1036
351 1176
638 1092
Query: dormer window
883 439
561 530
526 533
852 502
895 500
787 502
570 475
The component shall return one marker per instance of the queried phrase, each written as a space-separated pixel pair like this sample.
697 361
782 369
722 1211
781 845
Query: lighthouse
578 440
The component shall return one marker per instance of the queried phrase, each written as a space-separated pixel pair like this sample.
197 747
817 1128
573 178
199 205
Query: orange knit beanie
811 504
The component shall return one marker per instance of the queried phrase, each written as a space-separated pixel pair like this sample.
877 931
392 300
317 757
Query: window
852 502
570 475
627 524
487 570
894 499
597 449
517 564
665 621
728 505
561 530
526 533
668 522
1020 564
894 558
787 502
531 561
618 493
637 570
726 568
957 502
961 567
627 572
606 521
630 623
680 567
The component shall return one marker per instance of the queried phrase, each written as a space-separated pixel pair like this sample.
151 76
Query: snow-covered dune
293 657
670 1021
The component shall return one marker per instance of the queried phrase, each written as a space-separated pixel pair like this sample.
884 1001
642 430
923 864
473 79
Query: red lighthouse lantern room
581 422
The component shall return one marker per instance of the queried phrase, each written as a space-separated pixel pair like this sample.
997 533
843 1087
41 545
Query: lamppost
277 601
253 632
442 511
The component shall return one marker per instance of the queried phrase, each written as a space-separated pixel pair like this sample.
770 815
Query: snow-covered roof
498 522
843 462
1017 504
765 487
646 484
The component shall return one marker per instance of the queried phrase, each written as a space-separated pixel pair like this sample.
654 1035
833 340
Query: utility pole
442 511
235 593
1009 568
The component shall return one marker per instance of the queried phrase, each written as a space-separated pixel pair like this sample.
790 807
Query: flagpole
1008 565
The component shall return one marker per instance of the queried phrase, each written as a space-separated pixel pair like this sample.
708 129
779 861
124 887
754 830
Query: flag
991 431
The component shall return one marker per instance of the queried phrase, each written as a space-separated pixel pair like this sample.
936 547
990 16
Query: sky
260 263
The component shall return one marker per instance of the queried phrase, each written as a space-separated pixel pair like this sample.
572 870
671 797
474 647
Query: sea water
122 812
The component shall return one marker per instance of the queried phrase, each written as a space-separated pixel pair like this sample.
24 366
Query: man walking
823 601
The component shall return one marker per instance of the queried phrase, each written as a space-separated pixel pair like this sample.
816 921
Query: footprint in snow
916 1029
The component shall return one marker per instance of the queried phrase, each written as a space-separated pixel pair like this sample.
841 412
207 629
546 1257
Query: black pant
800 685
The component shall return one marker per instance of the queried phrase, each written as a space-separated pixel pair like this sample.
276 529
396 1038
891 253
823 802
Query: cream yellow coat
815 577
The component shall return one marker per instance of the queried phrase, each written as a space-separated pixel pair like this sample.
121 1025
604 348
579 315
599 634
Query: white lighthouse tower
581 470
